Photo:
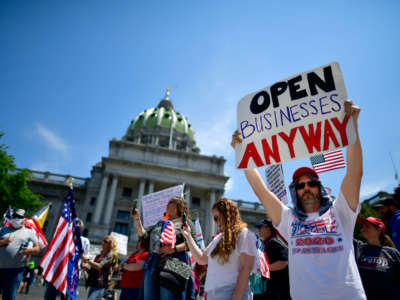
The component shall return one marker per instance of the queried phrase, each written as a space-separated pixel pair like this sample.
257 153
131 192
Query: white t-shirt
321 254
222 275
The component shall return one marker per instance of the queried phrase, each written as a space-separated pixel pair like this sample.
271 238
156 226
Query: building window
126 192
163 141
123 215
196 201
92 200
89 217
121 228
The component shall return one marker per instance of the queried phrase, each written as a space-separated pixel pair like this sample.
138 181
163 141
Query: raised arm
352 180
136 216
201 257
271 203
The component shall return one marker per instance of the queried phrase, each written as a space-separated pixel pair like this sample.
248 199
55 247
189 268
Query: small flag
60 261
7 217
264 269
34 225
41 215
199 235
168 235
328 161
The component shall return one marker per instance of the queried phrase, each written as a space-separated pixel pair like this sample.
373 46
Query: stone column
187 195
141 193
212 226
111 201
100 200
151 187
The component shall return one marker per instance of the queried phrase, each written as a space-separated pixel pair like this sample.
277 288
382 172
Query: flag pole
396 176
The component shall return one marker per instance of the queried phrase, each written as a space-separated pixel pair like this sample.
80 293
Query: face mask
16 223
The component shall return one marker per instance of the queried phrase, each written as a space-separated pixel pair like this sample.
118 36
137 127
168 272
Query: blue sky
75 73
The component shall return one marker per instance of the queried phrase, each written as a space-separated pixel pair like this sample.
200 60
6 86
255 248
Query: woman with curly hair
176 207
101 268
231 256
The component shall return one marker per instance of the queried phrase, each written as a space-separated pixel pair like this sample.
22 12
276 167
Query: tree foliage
14 190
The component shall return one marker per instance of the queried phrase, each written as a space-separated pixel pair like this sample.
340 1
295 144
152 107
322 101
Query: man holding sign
319 232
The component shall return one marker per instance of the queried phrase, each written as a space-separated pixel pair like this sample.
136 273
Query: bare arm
136 217
201 257
7 240
352 180
134 266
31 250
278 265
246 265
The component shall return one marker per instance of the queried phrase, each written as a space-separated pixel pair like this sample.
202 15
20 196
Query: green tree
14 190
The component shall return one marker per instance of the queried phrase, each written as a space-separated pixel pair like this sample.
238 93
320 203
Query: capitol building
158 151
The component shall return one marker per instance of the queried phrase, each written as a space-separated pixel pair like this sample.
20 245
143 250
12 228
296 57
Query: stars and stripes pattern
264 269
60 261
34 225
7 217
168 235
328 161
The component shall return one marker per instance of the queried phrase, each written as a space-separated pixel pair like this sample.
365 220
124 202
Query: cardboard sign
298 117
154 204
276 182
122 242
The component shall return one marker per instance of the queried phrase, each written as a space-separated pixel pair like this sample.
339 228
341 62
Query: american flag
168 235
33 224
263 259
328 161
60 261
7 217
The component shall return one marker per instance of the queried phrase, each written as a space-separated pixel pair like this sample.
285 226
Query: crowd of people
310 248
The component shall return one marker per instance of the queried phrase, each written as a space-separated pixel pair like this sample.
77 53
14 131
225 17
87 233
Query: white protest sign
298 117
276 182
199 235
154 204
122 242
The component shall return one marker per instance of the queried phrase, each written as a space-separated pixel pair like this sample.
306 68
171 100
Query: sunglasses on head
17 217
106 241
302 185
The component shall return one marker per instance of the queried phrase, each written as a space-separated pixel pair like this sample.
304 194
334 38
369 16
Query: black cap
386 201
264 222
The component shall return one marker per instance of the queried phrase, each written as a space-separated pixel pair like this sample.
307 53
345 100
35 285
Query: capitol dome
164 127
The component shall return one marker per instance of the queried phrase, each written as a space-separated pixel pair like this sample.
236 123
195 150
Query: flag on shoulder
60 261
34 225
168 235
328 161
264 269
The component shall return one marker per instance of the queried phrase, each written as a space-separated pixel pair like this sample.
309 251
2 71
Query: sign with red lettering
295 118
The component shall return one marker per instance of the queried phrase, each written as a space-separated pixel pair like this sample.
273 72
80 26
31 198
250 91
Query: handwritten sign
122 242
276 182
298 117
154 204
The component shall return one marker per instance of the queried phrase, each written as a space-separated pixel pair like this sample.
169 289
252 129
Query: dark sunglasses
106 242
216 218
302 185
17 217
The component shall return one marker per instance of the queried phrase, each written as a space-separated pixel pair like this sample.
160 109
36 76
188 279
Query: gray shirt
9 254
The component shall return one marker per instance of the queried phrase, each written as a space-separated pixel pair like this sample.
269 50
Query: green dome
155 125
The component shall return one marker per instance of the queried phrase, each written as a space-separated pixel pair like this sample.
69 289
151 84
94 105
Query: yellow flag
41 215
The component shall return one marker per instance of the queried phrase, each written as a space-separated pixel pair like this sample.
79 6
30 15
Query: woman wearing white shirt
231 256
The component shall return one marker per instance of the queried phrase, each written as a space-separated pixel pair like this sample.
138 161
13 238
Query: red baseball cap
374 221
304 170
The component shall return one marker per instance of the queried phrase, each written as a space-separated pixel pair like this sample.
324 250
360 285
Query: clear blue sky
75 73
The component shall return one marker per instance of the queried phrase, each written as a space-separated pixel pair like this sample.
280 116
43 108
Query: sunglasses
216 218
106 242
302 185
17 217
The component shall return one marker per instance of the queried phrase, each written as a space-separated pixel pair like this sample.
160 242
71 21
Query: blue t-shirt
394 224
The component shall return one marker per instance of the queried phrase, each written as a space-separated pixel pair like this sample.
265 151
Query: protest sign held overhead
276 182
154 204
295 118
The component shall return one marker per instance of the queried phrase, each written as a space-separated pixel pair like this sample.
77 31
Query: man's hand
26 251
351 110
135 214
10 238
165 250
